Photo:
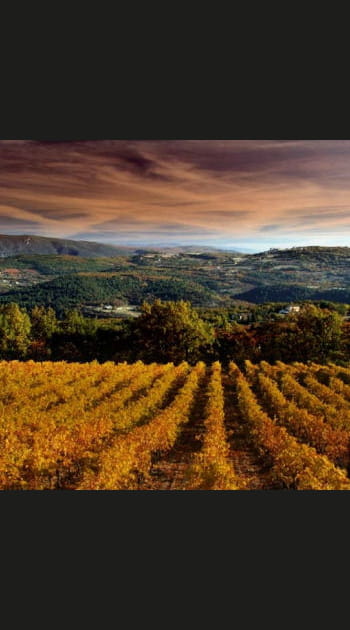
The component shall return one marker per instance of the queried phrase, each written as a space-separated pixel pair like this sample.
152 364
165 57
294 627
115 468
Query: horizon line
178 244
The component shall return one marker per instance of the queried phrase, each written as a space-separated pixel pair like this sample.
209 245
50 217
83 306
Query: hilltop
40 245
13 245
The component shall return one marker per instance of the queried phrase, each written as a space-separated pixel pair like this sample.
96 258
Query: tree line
173 331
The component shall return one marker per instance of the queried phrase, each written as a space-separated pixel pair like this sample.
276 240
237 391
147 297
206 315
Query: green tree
319 333
44 322
15 329
76 324
312 334
171 331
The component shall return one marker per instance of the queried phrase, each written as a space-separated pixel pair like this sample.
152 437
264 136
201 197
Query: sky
234 194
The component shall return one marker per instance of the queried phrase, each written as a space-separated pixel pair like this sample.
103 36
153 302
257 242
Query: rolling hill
76 290
28 244
293 293
39 270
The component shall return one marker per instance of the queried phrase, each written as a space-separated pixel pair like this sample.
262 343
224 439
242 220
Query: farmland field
91 426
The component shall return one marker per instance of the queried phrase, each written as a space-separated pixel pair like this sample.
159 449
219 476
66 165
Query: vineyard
91 426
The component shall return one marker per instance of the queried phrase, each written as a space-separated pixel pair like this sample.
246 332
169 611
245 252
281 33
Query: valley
206 277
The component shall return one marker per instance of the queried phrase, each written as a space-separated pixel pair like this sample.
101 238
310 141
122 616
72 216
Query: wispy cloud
6 221
270 228
224 191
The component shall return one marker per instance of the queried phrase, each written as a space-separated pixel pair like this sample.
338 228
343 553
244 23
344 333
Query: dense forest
207 279
282 293
175 331
69 291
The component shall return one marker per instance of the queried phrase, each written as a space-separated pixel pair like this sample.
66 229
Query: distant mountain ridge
14 245
29 244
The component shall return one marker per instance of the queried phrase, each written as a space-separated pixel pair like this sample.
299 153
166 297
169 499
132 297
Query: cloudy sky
249 194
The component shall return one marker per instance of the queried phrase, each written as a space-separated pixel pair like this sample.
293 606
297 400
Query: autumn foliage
106 426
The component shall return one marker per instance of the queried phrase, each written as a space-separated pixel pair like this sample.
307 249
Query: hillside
27 244
294 293
205 276
70 291
13 245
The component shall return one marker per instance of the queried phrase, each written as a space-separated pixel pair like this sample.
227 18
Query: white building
289 309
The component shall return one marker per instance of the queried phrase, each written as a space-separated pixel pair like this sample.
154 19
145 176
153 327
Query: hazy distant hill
40 245
195 249
26 244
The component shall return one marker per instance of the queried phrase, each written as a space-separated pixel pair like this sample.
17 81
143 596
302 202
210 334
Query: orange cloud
257 192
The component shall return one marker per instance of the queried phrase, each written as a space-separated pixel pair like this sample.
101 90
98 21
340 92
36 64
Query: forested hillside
293 293
207 278
70 291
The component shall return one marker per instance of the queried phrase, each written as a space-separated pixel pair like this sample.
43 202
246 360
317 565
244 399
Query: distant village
18 278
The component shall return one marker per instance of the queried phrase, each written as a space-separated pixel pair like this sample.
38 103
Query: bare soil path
168 470
250 471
